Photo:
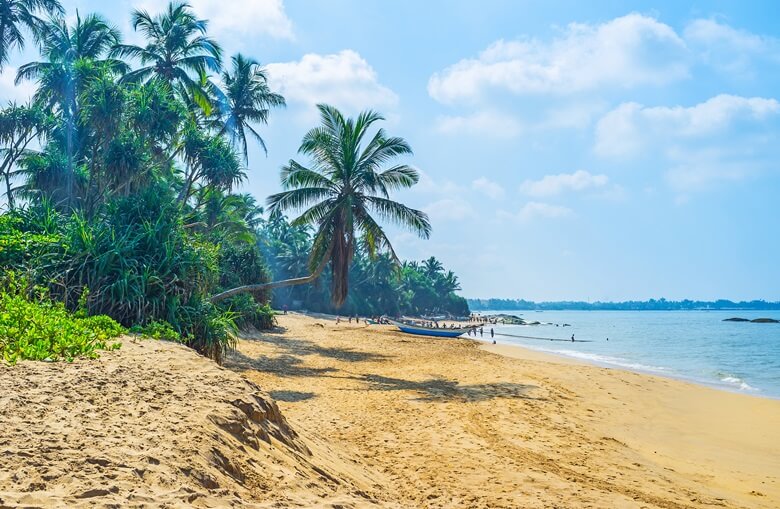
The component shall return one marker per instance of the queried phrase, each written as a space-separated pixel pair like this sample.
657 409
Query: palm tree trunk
276 284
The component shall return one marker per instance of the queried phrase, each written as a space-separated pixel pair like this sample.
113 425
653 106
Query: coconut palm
178 51
18 14
246 100
432 267
341 192
72 56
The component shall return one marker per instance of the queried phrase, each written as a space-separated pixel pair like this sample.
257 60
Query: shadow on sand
292 396
440 389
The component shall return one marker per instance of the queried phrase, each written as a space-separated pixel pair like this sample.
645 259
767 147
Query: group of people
473 330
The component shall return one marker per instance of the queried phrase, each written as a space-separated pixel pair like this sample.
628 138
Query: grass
39 329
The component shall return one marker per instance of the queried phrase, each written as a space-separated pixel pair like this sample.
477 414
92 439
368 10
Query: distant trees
648 305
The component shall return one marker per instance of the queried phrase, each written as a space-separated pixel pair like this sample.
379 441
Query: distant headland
631 305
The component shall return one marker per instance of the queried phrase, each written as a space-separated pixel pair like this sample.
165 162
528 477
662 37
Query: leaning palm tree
341 192
18 14
246 99
178 51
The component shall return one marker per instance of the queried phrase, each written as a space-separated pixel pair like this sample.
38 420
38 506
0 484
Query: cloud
429 185
699 169
625 52
551 185
729 49
632 127
536 210
449 209
342 79
237 20
488 187
487 122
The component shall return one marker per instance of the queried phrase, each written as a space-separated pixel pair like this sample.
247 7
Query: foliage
160 330
379 285
40 329
127 207
344 189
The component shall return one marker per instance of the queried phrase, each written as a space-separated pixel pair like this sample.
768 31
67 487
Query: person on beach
338 320
481 332
284 308
492 334
572 338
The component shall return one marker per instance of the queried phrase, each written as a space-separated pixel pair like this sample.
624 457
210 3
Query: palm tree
19 125
246 99
341 192
18 14
432 267
178 52
72 55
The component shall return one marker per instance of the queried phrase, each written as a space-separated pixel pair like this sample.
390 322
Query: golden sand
449 423
374 418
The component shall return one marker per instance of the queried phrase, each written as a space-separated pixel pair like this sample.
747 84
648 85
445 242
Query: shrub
157 330
39 329
249 312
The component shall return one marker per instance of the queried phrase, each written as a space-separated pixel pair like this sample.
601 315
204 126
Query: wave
606 359
737 382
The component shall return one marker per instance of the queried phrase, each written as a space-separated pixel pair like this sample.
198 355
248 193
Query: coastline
453 423
528 352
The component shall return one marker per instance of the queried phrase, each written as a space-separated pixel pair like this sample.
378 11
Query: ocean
696 346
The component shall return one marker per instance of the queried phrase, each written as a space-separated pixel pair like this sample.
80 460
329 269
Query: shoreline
524 351
451 423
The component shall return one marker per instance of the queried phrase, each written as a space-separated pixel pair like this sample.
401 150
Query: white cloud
551 185
429 185
488 187
342 79
729 49
449 209
536 210
699 169
625 52
239 19
487 122
631 127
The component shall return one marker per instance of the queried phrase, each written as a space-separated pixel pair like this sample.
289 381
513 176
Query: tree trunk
276 284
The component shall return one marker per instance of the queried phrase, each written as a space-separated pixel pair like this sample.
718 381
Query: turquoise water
697 346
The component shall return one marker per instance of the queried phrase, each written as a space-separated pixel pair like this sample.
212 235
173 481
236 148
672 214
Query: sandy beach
453 423
315 414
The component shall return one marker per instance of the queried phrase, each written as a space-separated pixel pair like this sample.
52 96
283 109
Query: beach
320 414
457 423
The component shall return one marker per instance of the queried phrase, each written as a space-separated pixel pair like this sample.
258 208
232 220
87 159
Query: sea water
697 346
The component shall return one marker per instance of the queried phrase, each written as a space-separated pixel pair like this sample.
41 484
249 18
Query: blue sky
569 150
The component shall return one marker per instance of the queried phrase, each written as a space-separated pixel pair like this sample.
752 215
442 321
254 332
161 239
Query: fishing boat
422 330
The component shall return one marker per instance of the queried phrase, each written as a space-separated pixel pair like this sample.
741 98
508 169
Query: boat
421 330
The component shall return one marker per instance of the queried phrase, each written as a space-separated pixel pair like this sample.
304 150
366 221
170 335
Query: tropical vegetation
120 181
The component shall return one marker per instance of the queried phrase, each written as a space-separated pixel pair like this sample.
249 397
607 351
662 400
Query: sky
568 150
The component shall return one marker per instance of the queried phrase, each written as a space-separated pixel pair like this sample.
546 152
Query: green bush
38 329
249 312
157 330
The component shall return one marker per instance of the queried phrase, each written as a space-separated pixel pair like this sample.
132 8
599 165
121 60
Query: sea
697 346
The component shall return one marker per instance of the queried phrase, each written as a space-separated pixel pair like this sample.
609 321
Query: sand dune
155 425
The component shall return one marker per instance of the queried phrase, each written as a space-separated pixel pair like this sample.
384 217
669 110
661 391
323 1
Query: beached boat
422 330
